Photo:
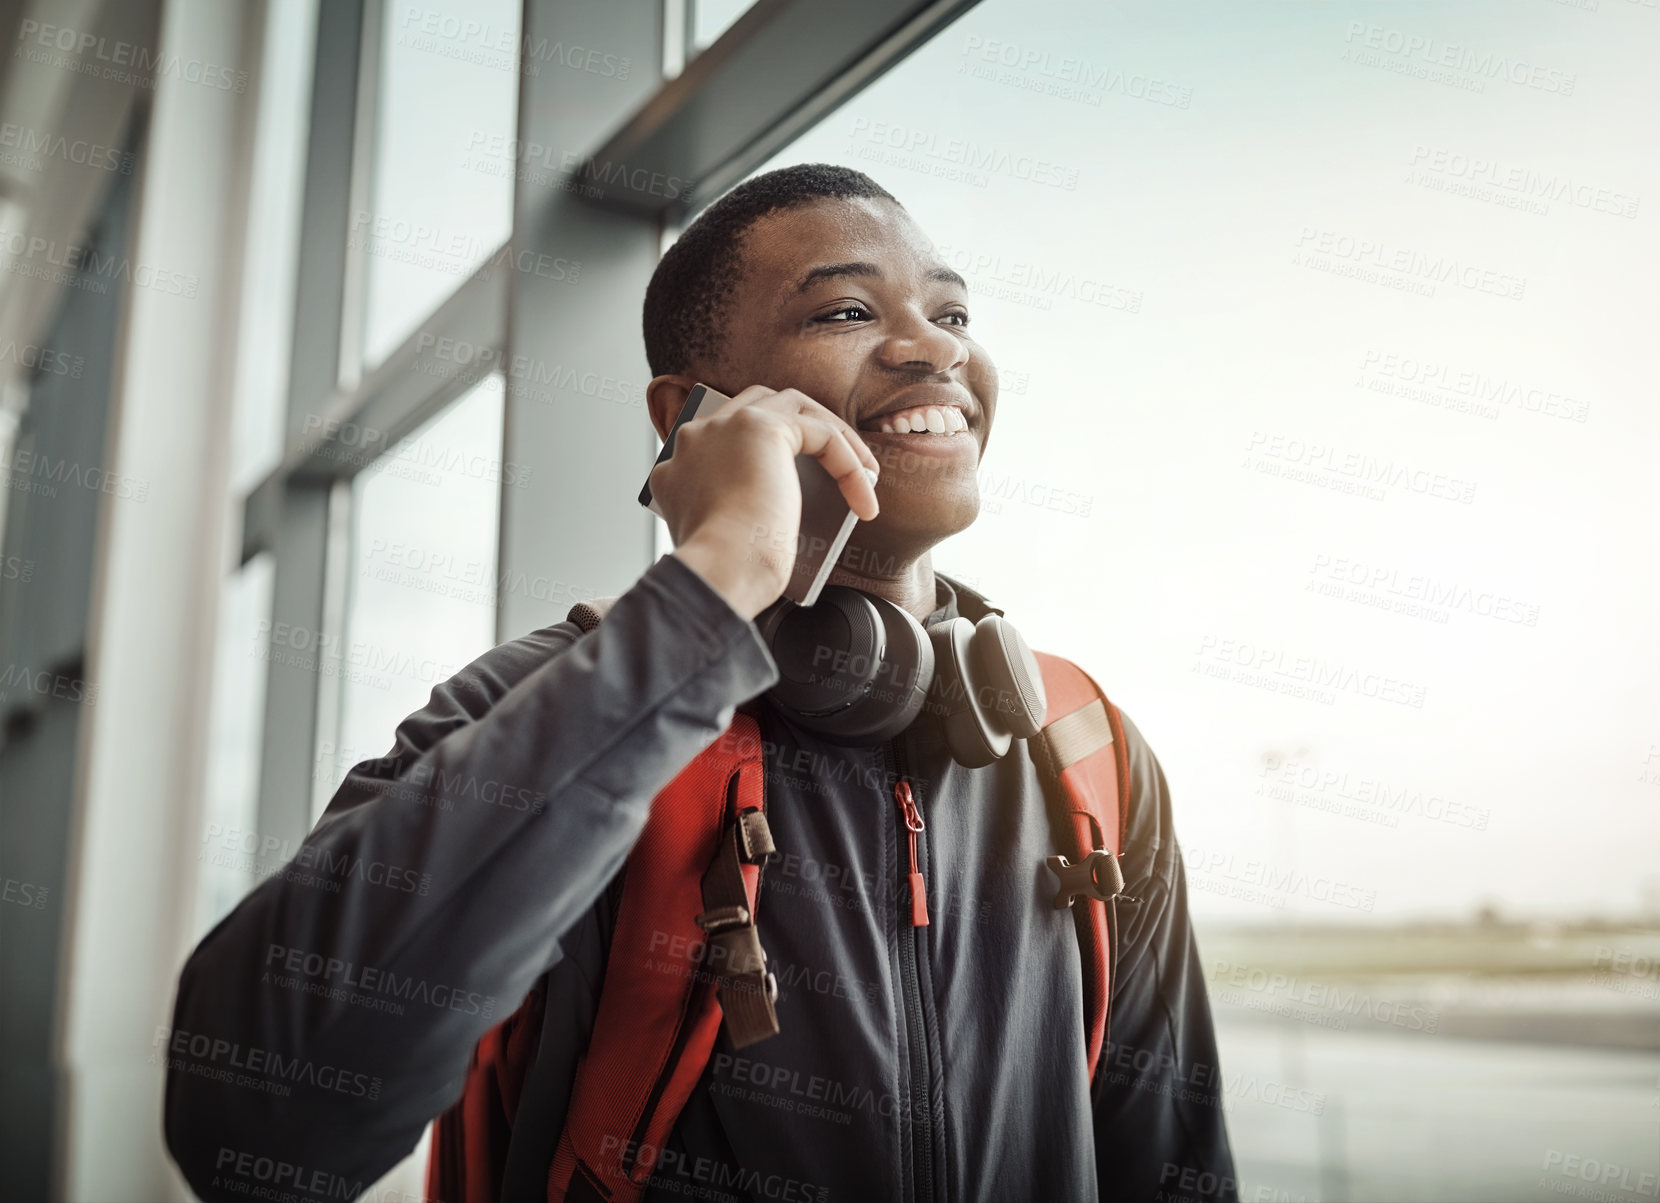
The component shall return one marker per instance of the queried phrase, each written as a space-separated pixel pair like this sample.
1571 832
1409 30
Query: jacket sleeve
333 1013
1159 1129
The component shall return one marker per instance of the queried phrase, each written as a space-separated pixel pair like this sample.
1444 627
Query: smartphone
826 519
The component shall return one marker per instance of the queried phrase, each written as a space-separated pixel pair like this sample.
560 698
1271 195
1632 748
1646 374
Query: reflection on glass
444 159
422 573
267 316
228 848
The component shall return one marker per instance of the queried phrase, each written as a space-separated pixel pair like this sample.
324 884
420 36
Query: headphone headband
858 669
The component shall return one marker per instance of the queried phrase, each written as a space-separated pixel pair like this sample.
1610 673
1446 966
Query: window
710 19
441 202
421 577
1293 392
230 854
267 317
1292 395
232 857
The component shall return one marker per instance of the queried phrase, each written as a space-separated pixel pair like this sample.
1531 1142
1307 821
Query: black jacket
331 1015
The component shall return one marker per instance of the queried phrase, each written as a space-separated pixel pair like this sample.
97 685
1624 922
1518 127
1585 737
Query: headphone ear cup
1005 664
853 668
971 739
826 653
900 687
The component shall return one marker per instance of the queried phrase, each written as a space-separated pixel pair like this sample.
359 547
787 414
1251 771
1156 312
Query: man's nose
918 343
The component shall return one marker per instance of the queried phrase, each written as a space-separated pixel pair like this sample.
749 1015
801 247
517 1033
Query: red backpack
685 954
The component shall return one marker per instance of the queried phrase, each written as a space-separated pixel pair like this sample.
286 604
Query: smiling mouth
939 420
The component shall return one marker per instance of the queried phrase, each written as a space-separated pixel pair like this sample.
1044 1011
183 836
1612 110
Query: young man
509 804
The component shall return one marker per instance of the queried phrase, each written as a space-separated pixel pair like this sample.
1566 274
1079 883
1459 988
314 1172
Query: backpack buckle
1097 876
735 954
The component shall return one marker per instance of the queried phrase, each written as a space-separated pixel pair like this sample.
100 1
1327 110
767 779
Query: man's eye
859 313
957 316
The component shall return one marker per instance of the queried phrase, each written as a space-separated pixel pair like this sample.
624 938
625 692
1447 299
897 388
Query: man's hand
731 496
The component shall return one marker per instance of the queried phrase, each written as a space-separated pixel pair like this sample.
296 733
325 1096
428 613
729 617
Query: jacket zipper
921 1113
913 824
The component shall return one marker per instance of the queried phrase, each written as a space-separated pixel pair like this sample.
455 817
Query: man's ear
664 397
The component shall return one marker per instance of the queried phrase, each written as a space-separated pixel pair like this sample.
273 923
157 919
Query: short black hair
690 292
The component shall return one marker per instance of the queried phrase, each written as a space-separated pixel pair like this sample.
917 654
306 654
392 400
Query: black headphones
857 669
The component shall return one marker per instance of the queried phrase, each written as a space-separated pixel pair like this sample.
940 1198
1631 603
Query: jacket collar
953 599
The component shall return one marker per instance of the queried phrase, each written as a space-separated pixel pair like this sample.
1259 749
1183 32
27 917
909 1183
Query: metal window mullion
415 382
294 510
731 109
351 429
570 518
354 306
334 655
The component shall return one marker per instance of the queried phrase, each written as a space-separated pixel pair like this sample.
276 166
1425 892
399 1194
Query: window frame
710 124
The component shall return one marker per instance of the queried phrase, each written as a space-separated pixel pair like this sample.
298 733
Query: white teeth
932 419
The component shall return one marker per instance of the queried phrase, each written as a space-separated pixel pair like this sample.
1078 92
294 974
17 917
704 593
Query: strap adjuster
1097 876
733 955
723 919
754 837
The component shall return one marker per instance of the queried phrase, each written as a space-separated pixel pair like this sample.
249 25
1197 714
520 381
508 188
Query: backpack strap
465 1164
684 952
1082 759
683 949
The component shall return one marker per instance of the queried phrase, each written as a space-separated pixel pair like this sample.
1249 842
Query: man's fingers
830 445
848 432
793 401
749 396
822 434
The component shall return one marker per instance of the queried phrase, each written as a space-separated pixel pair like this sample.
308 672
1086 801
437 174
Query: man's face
846 301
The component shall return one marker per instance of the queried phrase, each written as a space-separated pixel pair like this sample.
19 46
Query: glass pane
229 849
421 589
421 575
444 159
267 316
1299 379
710 19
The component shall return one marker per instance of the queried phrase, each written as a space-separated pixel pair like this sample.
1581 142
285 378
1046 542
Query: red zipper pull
913 822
